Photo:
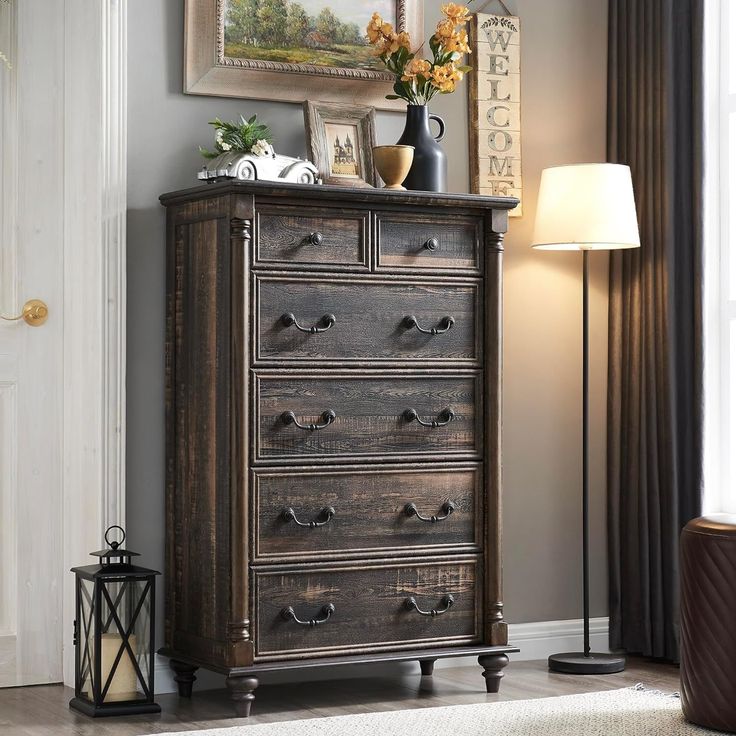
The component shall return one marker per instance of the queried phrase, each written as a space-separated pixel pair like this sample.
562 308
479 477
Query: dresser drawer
429 242
344 415
359 319
309 237
366 607
366 510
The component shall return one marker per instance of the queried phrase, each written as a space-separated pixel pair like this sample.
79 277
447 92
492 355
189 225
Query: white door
61 397
31 358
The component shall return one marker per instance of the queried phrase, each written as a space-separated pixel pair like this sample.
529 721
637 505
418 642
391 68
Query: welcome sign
495 106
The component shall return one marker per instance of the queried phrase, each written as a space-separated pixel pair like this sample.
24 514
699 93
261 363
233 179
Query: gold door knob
34 313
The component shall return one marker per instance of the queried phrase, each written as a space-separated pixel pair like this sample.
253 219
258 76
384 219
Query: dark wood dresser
333 415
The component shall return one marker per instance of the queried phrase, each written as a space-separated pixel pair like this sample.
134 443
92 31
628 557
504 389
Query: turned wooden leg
493 665
183 676
241 692
427 666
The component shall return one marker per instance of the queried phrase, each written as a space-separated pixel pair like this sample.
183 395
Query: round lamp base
578 663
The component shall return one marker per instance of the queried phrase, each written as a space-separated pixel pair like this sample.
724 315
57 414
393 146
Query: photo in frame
340 140
292 49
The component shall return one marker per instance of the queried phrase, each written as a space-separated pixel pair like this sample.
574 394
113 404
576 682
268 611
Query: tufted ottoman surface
708 621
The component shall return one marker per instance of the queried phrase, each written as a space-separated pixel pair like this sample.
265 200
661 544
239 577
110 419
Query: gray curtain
655 376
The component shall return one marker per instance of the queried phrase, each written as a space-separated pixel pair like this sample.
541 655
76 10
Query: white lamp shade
586 207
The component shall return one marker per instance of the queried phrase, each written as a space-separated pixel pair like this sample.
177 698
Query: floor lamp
586 207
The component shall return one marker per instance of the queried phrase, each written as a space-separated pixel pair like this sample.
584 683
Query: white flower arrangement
261 148
244 136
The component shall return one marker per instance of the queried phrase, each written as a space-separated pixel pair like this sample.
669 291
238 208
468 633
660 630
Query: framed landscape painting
292 49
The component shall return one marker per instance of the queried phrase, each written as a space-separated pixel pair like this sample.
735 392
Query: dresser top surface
327 192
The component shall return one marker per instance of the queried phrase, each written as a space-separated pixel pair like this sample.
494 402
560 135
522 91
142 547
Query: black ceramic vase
428 172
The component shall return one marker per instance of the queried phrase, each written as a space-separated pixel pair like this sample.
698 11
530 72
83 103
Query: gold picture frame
340 141
208 70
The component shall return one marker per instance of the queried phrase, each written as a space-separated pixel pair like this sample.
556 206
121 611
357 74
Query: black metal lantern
113 634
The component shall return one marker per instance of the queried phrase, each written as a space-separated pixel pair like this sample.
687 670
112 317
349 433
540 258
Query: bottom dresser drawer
330 609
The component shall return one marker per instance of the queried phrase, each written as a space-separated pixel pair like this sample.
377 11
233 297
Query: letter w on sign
495 107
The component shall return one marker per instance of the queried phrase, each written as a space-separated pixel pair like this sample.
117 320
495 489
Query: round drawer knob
315 238
432 244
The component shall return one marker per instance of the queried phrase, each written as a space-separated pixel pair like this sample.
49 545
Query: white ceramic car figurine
269 167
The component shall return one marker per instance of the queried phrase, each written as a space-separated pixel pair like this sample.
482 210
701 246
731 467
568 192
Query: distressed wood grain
370 607
369 418
369 504
283 235
233 465
369 320
403 240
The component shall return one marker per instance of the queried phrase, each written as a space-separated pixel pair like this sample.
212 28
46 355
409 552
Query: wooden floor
43 710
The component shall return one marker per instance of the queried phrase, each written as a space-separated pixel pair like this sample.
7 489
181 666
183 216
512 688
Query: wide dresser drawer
312 237
343 415
317 513
321 609
303 318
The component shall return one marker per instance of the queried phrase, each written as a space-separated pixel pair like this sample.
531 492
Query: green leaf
208 154
465 69
393 97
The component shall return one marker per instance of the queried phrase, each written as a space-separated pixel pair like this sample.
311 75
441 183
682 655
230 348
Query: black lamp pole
586 662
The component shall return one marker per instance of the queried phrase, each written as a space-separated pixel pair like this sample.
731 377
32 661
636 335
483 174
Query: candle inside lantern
124 681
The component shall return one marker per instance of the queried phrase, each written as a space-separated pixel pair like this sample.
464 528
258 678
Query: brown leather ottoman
708 621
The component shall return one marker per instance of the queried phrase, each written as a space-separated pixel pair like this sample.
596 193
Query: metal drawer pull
329 416
446 603
447 508
325 515
445 325
432 244
443 418
323 325
289 614
315 238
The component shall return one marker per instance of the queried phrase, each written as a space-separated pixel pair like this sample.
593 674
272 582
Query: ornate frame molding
207 71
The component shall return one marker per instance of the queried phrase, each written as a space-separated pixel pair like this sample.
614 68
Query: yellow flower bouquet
419 79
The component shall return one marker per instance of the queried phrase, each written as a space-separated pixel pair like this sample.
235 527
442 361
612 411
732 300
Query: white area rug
628 712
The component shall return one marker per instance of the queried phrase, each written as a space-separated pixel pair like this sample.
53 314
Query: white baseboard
539 639
536 640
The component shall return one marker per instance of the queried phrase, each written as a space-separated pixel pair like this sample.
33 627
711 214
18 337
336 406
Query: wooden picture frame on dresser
333 414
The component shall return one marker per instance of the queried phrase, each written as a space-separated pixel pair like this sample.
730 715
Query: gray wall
563 121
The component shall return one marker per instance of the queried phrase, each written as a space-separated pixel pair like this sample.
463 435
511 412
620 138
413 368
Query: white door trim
95 149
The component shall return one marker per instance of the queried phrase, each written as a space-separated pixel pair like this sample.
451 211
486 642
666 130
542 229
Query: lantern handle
114 545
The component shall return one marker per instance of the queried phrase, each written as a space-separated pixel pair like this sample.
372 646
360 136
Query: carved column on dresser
496 225
238 630
333 398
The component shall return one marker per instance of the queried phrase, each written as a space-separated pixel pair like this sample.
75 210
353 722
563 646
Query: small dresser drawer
311 237
302 319
308 514
364 607
429 242
346 415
